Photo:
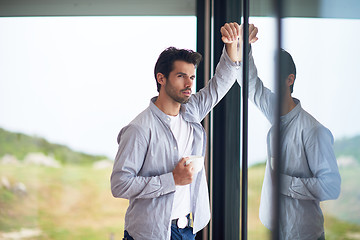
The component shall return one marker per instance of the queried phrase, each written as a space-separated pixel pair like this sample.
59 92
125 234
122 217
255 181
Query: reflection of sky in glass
78 81
325 52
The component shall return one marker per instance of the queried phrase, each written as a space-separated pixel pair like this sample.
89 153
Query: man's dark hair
287 66
165 62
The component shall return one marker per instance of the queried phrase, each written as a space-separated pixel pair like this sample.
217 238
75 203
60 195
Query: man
164 193
309 172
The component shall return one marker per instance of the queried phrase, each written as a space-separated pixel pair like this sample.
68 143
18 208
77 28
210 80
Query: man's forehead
184 67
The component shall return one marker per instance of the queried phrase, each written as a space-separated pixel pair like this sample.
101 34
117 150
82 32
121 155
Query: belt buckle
182 222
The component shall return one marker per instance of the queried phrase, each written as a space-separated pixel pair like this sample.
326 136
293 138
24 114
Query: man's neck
288 105
167 105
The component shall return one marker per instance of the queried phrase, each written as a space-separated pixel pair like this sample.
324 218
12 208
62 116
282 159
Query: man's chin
181 100
185 100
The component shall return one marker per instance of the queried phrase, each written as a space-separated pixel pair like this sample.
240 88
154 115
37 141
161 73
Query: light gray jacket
148 154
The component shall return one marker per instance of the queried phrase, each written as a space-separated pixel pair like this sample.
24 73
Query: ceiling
292 8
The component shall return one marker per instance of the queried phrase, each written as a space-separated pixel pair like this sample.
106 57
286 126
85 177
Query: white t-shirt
183 134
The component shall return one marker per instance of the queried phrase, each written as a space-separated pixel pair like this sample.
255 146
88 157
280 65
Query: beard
175 94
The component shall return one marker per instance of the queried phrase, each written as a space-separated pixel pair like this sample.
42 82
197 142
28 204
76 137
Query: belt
183 222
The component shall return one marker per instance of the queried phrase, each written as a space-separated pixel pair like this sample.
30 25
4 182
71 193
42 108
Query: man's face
179 83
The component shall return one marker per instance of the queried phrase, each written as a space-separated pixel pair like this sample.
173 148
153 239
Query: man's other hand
232 35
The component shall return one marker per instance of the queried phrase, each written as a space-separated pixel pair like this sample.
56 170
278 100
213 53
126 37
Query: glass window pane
259 125
325 51
67 86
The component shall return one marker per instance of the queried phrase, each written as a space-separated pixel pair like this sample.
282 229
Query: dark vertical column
200 42
226 140
203 36
278 7
219 159
245 95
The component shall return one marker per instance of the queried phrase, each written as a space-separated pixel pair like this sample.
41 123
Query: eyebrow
182 73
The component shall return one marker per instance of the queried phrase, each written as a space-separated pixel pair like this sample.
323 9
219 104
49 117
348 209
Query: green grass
75 202
342 216
255 179
19 145
347 207
336 229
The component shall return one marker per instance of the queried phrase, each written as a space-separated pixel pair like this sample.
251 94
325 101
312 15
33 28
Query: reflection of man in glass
150 168
309 172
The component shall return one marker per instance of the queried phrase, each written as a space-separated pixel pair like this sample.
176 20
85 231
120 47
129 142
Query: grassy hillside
19 145
348 147
72 202
75 202
347 206
342 216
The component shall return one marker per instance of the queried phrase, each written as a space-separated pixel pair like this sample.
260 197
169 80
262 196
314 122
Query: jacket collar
292 114
164 117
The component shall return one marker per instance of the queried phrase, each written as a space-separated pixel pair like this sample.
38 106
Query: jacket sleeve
326 180
207 98
261 96
125 181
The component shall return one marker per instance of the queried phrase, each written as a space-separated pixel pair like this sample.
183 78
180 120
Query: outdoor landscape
48 191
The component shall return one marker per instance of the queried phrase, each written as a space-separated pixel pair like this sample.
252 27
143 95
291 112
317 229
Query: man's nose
188 82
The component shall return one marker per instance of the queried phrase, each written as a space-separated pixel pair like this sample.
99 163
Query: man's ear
160 78
290 79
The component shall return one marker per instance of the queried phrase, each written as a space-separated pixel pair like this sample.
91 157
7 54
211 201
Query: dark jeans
176 234
182 233
322 237
127 236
